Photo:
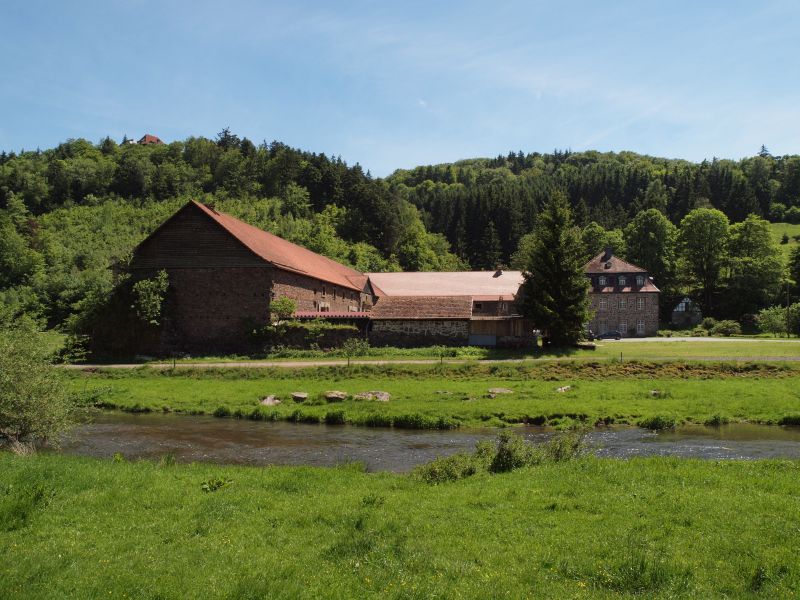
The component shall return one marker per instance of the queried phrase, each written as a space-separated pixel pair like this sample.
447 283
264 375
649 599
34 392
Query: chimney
608 252
498 271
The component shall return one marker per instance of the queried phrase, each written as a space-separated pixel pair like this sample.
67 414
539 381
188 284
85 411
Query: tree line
70 212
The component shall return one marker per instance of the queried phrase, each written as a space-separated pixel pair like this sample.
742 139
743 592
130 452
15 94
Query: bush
512 453
658 422
699 332
708 323
35 404
282 308
726 328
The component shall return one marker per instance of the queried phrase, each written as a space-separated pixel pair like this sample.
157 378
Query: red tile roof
286 255
601 264
422 307
648 286
482 284
149 139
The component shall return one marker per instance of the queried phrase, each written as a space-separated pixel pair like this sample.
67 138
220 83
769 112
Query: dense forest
70 212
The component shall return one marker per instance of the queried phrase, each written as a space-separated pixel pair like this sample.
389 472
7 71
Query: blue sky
396 84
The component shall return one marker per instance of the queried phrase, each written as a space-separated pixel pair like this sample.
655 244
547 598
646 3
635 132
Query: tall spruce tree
556 290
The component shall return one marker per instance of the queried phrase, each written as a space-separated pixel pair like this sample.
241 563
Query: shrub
512 453
222 412
657 422
149 296
708 323
35 404
716 421
785 238
282 308
793 420
726 328
335 417
699 332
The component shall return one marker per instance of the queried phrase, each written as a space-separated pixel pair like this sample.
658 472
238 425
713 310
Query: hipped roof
484 284
286 255
615 265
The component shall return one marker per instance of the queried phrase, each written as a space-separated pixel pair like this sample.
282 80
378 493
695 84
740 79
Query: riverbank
84 528
440 396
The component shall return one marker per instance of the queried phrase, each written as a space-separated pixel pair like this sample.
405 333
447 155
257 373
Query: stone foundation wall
612 315
411 333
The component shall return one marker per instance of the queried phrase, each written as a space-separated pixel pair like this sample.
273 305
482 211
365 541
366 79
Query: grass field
457 396
662 349
778 229
592 528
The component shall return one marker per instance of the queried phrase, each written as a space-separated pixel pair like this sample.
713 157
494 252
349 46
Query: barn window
478 306
323 290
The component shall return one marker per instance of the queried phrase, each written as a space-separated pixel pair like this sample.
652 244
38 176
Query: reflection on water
232 441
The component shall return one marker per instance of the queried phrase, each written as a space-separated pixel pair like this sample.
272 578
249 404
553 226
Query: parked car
610 335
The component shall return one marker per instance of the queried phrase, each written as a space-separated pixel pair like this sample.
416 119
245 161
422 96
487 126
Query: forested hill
69 212
484 206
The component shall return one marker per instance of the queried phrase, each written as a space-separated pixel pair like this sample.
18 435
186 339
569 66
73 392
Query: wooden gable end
190 239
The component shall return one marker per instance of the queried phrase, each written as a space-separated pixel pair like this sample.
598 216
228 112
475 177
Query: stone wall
613 316
418 332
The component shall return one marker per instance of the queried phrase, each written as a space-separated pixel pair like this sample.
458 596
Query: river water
232 441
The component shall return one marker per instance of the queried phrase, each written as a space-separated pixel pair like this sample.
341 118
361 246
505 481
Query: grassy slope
600 391
778 229
81 528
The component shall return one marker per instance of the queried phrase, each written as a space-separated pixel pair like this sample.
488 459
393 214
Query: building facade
223 275
623 297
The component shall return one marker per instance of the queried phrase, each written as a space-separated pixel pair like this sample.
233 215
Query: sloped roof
286 255
462 283
150 139
603 264
648 286
423 307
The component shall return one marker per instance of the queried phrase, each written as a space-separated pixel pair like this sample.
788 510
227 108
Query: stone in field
565 388
335 396
376 396
299 396
496 391
270 401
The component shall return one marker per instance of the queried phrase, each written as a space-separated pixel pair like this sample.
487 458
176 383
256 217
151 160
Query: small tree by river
35 403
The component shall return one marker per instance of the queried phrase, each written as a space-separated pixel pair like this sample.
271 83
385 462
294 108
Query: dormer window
640 280
623 281
602 281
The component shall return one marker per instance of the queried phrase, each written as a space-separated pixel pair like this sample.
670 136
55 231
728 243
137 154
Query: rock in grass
564 388
375 396
335 396
497 391
299 396
270 401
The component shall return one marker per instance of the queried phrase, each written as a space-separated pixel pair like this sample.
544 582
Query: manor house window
623 303
603 304
640 327
601 281
640 304
622 281
640 280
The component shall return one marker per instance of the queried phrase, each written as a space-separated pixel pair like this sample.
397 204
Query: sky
397 84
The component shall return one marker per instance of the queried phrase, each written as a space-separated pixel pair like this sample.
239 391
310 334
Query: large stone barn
623 296
223 273
478 308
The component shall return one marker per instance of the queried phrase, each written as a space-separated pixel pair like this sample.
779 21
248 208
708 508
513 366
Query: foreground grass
456 396
82 528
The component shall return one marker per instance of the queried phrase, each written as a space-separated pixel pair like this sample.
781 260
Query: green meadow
589 528
446 396
778 229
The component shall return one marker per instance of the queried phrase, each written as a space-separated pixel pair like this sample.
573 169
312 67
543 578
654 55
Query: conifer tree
556 290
